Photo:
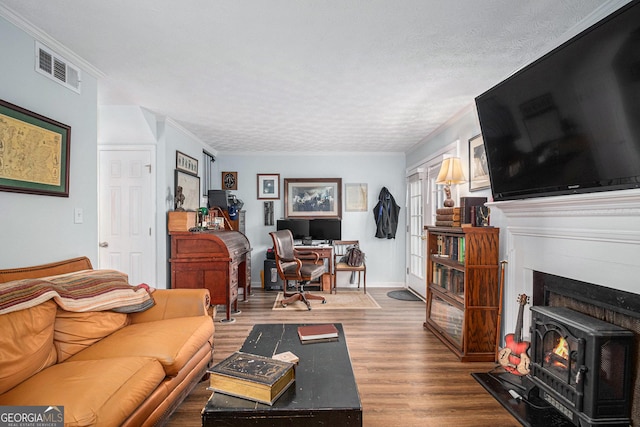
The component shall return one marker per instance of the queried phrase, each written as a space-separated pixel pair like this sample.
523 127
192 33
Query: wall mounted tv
570 121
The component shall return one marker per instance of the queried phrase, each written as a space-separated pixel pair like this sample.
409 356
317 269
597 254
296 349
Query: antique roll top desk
219 261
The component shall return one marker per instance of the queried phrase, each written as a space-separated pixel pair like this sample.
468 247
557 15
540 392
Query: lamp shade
451 172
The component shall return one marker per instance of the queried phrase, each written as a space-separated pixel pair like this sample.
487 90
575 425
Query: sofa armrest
172 303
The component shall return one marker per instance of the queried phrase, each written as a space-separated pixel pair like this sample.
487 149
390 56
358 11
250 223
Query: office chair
340 248
297 266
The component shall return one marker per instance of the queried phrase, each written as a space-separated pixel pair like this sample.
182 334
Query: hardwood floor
405 375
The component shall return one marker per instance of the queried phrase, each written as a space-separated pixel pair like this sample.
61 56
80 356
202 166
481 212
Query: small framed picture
478 166
269 186
186 163
229 180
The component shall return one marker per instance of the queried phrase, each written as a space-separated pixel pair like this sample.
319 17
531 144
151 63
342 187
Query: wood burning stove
581 365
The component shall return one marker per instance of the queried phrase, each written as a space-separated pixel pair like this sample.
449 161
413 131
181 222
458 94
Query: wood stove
581 365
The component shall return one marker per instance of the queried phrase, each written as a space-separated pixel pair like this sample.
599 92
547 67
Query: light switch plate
78 216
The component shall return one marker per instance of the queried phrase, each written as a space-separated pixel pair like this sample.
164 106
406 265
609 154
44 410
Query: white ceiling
300 75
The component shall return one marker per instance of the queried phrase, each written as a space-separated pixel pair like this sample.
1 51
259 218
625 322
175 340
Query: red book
317 332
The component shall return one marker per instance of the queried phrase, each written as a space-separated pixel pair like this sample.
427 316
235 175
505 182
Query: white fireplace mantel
593 238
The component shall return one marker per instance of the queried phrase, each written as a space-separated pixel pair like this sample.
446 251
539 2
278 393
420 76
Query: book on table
249 376
317 333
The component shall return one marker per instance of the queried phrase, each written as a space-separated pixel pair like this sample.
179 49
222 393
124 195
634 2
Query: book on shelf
448 211
442 223
318 333
465 208
443 217
252 377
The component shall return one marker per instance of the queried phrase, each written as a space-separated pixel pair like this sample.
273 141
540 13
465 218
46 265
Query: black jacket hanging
386 215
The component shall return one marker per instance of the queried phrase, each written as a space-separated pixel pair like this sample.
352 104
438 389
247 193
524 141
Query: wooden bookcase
463 298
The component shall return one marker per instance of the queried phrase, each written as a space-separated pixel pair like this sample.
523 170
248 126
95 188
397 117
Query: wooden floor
406 376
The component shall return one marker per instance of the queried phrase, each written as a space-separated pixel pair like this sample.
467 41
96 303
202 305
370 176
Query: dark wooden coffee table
324 393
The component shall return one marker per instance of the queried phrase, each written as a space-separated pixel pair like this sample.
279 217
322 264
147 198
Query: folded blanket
80 291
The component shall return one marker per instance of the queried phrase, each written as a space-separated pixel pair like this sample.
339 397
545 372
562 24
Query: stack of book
317 333
448 217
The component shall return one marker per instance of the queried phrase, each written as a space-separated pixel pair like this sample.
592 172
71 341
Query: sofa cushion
26 343
173 342
74 332
93 392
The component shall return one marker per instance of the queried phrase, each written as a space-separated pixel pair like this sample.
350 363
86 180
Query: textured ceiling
328 75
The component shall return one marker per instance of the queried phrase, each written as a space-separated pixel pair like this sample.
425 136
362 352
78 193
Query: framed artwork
478 167
229 180
268 186
268 213
313 197
355 197
34 152
186 163
189 196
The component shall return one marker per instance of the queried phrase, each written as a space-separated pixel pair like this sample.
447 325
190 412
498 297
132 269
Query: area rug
404 295
346 300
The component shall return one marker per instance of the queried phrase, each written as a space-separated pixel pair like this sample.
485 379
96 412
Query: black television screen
299 227
570 121
326 229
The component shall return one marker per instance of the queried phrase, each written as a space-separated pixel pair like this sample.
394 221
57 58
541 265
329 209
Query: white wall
128 125
385 257
38 229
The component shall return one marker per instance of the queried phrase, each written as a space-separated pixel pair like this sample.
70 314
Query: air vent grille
57 68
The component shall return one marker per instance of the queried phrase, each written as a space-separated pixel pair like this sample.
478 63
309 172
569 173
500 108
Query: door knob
104 244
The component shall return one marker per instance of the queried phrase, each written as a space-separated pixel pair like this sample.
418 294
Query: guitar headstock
523 299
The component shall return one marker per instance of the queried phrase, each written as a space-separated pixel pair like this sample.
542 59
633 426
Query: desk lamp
450 173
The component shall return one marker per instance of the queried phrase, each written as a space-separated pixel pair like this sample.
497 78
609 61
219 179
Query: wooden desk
323 251
216 260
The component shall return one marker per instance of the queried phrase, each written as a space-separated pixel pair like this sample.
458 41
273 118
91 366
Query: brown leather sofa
105 368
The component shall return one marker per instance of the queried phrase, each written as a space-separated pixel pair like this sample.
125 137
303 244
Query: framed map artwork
34 152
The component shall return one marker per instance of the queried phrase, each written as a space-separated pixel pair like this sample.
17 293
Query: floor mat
403 295
343 300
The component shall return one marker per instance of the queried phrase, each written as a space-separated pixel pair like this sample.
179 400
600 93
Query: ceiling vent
57 68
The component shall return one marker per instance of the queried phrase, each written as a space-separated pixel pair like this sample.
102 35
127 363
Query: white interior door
126 213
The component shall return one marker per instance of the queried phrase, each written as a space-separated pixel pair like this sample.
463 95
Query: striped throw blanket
80 291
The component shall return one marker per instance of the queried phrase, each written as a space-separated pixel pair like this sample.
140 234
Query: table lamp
450 173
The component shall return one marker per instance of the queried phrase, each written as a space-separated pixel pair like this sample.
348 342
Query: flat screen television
570 121
299 227
325 229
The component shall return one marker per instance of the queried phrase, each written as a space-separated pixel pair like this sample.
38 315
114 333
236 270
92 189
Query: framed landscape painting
34 152
313 197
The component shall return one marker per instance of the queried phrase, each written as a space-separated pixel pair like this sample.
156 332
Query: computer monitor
299 227
325 229
218 198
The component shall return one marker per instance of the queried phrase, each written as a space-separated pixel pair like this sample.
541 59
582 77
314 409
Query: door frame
432 195
152 149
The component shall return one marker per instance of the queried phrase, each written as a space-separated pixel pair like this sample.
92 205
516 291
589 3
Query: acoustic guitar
514 357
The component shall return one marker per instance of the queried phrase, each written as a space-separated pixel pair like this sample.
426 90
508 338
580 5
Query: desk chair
340 250
300 267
